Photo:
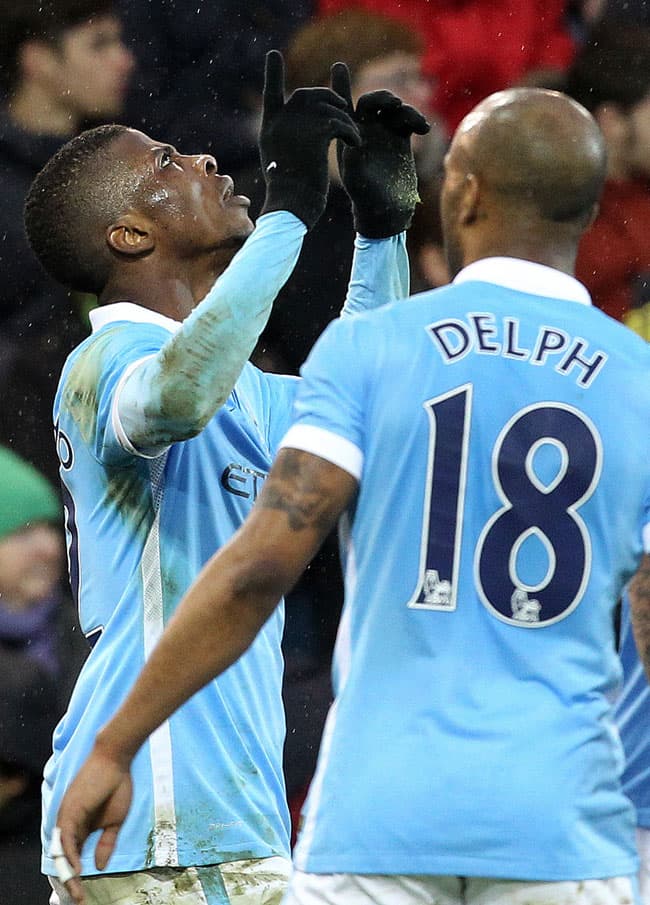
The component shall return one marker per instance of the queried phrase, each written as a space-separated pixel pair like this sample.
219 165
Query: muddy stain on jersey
80 391
128 485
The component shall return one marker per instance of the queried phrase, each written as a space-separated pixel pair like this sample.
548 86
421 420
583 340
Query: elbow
187 413
198 418
265 583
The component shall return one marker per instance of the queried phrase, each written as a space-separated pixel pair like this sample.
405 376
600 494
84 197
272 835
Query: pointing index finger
340 81
273 83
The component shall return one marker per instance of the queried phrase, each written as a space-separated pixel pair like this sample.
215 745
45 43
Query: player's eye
165 159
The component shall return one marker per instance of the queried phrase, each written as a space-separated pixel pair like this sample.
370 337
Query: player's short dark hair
355 36
40 20
613 66
75 197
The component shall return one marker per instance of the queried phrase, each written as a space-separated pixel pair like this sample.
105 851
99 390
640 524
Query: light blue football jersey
210 779
208 785
499 431
632 714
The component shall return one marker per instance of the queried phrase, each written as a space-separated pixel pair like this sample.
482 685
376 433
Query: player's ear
130 235
468 206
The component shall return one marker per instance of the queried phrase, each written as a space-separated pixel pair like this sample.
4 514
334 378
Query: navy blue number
443 506
66 457
73 541
531 508
548 512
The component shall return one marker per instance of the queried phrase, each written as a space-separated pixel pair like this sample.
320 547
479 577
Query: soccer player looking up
165 434
492 505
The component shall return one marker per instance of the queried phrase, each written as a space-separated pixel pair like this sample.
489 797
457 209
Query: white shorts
360 889
257 882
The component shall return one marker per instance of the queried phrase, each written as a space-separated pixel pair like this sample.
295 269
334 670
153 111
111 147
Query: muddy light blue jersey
210 779
498 428
208 785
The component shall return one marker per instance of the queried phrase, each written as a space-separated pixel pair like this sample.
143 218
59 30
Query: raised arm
172 395
381 180
217 620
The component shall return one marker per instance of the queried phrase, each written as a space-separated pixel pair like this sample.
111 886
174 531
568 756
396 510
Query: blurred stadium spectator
41 651
62 64
630 11
611 77
475 47
199 70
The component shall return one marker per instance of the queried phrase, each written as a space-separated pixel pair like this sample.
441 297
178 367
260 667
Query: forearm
173 395
380 273
639 591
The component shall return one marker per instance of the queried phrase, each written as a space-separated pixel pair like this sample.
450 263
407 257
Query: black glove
294 141
380 175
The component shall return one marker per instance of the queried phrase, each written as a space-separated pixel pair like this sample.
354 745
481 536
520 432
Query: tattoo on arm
309 489
639 590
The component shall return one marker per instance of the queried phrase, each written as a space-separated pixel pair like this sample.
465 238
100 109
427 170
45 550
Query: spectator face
91 68
31 564
400 73
638 138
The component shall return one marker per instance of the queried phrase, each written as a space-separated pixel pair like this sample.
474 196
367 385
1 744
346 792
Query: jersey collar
129 311
526 276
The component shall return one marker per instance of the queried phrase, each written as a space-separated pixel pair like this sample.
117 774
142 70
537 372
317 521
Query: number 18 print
542 515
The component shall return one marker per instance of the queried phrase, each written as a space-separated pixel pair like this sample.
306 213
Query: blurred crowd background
190 73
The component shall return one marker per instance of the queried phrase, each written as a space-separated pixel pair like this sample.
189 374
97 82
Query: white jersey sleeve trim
646 538
326 444
116 421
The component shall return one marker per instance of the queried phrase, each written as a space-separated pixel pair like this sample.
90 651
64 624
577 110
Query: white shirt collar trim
129 311
526 276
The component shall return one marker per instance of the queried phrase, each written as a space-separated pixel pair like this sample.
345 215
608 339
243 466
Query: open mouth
229 190
228 195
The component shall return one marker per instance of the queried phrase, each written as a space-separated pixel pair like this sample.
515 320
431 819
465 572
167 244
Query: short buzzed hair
39 20
79 192
542 150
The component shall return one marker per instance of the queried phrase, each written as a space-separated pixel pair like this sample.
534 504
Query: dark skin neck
557 258
552 244
170 286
